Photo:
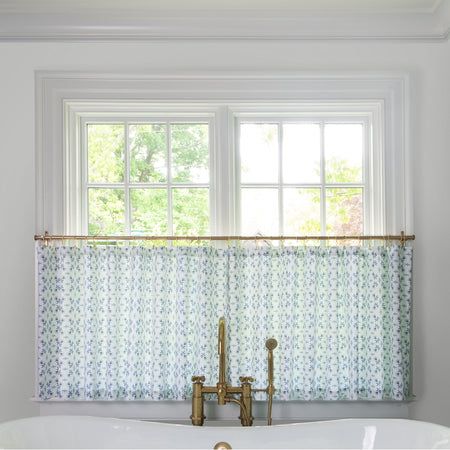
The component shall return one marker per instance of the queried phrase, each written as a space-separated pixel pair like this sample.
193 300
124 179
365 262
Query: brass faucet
226 393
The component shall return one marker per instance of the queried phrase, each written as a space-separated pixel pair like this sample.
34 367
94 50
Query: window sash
282 119
169 185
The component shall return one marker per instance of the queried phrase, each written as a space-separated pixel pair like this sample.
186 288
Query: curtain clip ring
46 239
402 238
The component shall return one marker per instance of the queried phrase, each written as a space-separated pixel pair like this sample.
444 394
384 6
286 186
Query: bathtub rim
166 422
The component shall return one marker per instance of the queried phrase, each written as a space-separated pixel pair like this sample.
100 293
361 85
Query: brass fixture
222 446
402 238
225 392
271 344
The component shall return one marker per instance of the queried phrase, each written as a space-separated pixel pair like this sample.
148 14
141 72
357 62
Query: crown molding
432 25
140 7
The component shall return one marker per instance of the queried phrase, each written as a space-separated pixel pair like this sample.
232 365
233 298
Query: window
146 177
292 174
310 175
67 103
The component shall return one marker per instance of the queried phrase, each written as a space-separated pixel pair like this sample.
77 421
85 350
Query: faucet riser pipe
197 416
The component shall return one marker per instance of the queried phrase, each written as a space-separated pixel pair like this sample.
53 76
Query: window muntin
146 176
314 176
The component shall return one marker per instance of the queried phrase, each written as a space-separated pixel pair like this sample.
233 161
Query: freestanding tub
94 432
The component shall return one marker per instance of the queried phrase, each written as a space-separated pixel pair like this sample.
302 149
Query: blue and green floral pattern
135 323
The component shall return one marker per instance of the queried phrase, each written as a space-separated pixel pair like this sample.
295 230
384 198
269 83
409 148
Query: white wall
429 66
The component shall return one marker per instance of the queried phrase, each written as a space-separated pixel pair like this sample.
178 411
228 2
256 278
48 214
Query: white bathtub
94 432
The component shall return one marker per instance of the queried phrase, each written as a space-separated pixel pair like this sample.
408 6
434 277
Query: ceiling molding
281 24
154 6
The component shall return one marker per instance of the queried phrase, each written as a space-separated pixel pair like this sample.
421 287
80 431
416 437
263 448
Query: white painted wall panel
429 67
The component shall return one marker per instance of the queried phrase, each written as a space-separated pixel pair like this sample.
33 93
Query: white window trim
59 93
386 94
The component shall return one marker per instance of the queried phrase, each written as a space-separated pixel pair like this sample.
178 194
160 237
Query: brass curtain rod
401 237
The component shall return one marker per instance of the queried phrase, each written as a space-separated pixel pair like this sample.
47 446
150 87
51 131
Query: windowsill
280 402
179 411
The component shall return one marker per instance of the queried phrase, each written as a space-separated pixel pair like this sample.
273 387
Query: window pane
106 150
301 211
148 211
148 149
259 152
344 211
106 211
301 153
190 211
190 152
259 211
343 153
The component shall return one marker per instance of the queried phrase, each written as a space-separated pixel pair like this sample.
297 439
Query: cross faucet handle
246 379
198 379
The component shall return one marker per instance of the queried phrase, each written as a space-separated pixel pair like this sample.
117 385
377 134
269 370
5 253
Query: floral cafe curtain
134 322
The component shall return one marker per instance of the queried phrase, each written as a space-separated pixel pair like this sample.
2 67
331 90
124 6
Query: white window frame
373 198
79 114
224 184
75 223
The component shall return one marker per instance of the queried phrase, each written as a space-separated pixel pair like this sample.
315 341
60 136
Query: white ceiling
318 6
